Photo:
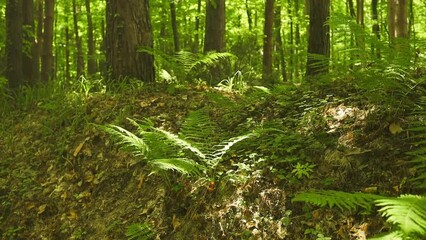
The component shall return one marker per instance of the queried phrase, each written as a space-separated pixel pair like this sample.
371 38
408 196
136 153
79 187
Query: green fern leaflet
343 200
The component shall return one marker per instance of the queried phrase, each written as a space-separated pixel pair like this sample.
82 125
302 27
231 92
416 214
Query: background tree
14 42
91 60
129 30
29 46
174 25
319 37
47 51
268 41
214 38
78 40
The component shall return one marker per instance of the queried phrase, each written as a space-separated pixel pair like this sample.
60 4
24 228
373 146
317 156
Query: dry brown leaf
79 147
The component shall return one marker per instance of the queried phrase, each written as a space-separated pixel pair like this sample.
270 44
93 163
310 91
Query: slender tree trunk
14 72
360 21
39 41
78 42
197 27
291 38
249 17
214 39
174 25
279 41
129 30
47 52
30 48
376 27
268 45
296 61
319 38
91 60
67 54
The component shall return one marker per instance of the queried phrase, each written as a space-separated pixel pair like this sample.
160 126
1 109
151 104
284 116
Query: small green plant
234 83
407 212
302 170
140 231
191 153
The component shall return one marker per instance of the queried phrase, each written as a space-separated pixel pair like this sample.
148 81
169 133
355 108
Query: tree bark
174 25
91 60
268 45
39 41
14 72
214 39
129 30
197 27
47 54
376 27
319 38
67 54
249 17
30 49
78 42
279 41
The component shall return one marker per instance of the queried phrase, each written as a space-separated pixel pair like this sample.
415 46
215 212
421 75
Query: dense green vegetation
277 120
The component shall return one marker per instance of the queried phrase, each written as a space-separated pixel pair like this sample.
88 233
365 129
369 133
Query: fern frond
216 155
181 142
193 61
127 140
396 235
140 231
343 200
181 165
199 129
408 212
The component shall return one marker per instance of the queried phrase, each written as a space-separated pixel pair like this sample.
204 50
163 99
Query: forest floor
63 177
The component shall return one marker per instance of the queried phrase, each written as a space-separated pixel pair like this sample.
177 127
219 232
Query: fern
418 131
408 212
199 130
182 165
140 231
163 150
343 200
127 139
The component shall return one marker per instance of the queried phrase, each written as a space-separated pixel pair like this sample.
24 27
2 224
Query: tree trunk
67 54
249 17
376 27
214 39
30 48
129 30
14 72
78 43
91 60
174 25
319 38
279 41
39 41
397 19
268 45
360 21
47 52
291 38
197 27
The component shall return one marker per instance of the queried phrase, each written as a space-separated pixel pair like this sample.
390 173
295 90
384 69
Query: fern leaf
343 200
140 231
182 165
199 129
127 139
406 211
181 142
396 235
215 156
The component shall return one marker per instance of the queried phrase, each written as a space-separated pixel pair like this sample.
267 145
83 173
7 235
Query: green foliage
343 200
303 170
164 150
139 231
408 212
418 155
